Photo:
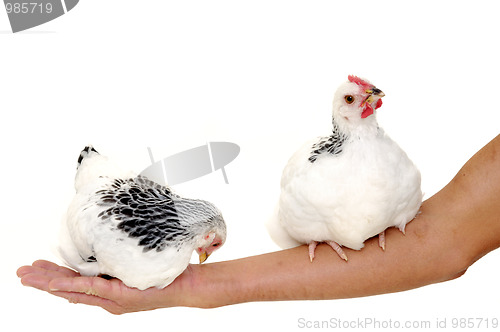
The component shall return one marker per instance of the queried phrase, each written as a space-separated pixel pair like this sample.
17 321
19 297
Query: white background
125 75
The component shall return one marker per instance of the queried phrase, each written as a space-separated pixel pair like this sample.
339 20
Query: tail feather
278 233
89 149
92 167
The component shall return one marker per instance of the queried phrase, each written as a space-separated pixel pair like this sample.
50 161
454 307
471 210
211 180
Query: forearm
456 227
410 261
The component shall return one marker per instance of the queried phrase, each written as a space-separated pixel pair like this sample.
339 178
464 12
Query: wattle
367 111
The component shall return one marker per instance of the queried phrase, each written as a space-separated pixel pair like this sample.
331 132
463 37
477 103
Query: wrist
209 286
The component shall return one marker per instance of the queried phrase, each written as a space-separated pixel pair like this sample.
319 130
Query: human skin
456 227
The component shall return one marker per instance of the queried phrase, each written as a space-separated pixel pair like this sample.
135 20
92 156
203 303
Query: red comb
365 85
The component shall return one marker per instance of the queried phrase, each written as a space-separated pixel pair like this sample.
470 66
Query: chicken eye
349 99
215 244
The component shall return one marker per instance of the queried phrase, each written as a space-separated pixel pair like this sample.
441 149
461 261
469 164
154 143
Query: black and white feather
129 227
332 144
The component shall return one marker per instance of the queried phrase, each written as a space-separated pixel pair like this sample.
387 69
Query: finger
88 296
54 267
61 273
36 280
106 304
92 291
95 286
41 266
23 270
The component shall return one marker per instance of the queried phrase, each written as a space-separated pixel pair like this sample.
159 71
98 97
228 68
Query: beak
376 92
203 257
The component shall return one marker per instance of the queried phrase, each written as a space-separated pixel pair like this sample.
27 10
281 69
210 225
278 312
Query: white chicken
349 186
134 229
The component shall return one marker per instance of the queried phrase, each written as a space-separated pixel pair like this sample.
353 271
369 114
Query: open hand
112 295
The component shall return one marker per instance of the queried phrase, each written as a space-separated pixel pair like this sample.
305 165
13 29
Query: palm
112 295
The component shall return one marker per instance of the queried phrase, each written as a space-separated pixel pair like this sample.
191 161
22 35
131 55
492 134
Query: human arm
456 226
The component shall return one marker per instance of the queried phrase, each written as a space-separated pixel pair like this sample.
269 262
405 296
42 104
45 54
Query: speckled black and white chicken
349 186
131 228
